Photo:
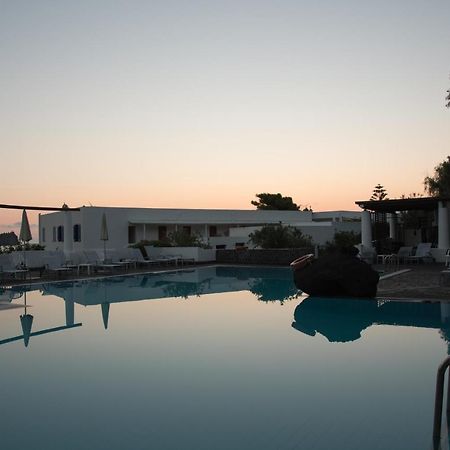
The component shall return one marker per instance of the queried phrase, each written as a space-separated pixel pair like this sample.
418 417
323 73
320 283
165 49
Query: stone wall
279 257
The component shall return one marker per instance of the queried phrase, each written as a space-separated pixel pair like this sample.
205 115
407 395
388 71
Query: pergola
68 242
392 207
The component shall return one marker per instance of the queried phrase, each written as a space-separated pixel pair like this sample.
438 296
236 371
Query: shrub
343 242
180 238
279 236
20 247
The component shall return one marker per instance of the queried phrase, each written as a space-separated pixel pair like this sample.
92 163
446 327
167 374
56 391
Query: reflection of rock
339 320
337 275
343 319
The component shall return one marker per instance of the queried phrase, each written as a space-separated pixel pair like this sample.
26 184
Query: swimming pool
215 358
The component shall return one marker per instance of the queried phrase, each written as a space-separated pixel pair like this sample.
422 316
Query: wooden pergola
394 206
38 208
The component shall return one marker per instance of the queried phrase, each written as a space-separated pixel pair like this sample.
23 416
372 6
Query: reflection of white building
220 228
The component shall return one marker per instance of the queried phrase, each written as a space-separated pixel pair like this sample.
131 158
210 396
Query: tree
448 99
379 193
279 236
439 184
8 238
275 202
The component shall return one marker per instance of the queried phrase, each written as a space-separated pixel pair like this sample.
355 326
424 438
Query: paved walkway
422 281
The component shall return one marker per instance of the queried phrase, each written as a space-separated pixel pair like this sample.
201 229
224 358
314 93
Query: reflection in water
105 314
343 320
268 284
26 320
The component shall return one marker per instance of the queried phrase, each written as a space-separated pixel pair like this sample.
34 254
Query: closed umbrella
104 234
25 233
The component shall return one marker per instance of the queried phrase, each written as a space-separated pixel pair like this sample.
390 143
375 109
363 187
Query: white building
220 228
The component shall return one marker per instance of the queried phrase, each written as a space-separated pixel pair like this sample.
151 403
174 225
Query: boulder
337 275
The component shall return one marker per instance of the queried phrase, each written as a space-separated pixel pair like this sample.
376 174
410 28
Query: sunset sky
203 104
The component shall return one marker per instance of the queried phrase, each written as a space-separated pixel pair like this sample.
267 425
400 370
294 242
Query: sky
203 104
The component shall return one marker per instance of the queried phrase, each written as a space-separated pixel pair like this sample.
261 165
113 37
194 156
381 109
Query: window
54 234
131 234
77 233
60 233
43 235
187 230
162 232
212 230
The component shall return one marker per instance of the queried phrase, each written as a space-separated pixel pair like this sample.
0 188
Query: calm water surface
215 358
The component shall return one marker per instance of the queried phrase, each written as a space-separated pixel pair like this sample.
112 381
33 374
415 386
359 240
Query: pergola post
366 229
443 231
392 217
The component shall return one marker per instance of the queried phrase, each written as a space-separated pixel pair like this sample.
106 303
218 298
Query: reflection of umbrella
25 232
105 314
104 234
26 321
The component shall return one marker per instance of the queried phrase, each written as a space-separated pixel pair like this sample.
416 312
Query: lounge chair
161 259
136 255
116 257
400 256
9 267
56 262
93 259
423 254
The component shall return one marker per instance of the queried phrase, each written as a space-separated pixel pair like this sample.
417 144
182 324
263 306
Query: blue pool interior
215 358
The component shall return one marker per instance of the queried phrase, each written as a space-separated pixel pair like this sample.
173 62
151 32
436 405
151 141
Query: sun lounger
423 254
8 266
136 254
400 256
55 262
94 260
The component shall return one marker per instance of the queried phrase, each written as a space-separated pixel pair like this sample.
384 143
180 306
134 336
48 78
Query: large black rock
337 275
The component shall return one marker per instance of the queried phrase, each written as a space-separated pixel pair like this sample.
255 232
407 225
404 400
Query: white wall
233 226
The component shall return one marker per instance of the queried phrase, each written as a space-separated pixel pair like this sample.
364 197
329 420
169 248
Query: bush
182 239
343 242
20 248
279 236
175 239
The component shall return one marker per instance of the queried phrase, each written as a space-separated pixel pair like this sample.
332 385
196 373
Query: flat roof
402 204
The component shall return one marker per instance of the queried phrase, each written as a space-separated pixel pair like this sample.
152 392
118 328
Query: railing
439 400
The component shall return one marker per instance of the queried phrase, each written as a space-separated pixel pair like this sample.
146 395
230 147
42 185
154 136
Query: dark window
60 233
43 234
187 230
212 230
131 234
221 247
77 233
54 234
162 232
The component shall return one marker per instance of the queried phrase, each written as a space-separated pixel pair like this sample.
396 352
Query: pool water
215 358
